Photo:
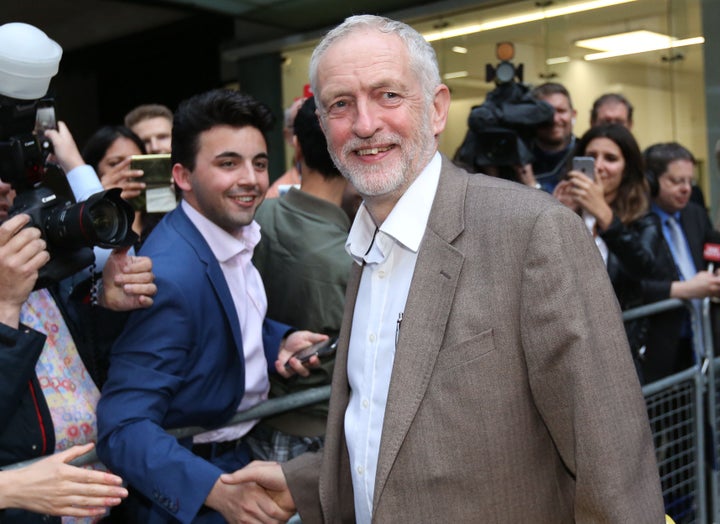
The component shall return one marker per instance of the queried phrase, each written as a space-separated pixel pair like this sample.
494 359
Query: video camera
70 229
501 129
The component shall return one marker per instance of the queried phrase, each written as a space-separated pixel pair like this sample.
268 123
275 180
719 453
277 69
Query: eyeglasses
680 181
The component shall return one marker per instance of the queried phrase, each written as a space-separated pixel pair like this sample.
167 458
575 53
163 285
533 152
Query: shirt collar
407 220
222 244
664 215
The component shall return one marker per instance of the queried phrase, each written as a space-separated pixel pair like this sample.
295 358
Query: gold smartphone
159 194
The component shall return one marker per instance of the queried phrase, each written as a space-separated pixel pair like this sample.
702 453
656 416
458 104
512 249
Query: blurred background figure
554 143
153 124
612 108
291 177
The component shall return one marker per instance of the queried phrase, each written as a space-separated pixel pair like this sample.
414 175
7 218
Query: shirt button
371 338
381 274
365 403
360 470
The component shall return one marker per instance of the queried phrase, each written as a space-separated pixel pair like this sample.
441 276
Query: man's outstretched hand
256 493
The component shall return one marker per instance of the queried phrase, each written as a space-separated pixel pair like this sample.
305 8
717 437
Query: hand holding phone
584 164
322 349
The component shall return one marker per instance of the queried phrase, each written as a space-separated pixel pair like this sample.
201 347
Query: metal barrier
677 415
681 413
268 408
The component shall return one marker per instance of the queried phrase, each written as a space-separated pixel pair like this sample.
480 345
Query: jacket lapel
335 487
430 299
214 273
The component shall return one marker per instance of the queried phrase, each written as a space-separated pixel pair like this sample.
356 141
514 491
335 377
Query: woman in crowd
613 202
108 151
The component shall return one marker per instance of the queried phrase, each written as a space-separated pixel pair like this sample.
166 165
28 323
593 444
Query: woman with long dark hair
614 203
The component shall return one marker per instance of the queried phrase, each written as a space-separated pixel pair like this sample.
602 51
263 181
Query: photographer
501 129
53 344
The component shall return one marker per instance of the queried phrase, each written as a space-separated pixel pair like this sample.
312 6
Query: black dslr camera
70 229
500 129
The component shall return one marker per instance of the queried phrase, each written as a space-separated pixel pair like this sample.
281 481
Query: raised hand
127 282
120 175
65 151
22 254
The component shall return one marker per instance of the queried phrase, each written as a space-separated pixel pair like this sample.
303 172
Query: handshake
255 493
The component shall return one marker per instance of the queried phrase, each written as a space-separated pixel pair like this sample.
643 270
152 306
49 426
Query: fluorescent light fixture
523 18
632 43
456 74
557 60
460 50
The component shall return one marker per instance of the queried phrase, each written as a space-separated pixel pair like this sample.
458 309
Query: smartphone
584 164
157 169
159 194
322 349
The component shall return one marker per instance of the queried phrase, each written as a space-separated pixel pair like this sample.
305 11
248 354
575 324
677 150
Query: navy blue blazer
178 363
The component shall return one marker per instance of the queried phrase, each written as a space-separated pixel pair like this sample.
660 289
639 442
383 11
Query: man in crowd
612 108
554 144
304 266
483 371
205 349
153 124
685 228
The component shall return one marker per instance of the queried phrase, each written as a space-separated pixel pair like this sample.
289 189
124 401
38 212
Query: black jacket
631 258
664 329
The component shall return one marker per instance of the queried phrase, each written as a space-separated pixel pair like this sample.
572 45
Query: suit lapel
430 299
335 487
214 273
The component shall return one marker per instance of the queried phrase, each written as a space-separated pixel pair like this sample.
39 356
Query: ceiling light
557 60
459 49
632 43
523 18
456 74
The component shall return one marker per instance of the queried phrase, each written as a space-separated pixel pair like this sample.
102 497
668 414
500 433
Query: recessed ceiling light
523 18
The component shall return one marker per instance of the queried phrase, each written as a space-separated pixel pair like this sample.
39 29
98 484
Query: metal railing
270 407
677 413
683 409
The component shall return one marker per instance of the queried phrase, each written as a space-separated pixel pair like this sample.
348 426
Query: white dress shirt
389 255
591 224
248 294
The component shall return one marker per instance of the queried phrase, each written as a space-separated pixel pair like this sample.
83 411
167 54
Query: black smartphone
584 164
322 349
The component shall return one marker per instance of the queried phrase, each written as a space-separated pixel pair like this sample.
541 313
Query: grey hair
423 60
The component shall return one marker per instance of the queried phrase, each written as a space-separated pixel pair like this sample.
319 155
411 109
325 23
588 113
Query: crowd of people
482 364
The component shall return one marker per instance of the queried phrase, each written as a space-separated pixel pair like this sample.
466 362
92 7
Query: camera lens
103 220
106 220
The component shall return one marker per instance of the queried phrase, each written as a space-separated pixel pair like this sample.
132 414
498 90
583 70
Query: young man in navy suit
205 349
